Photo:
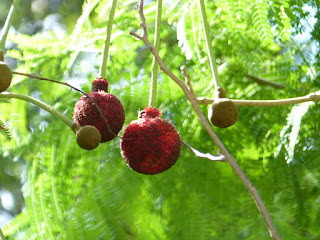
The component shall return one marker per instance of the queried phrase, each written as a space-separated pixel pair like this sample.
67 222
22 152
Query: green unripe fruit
223 113
5 74
88 137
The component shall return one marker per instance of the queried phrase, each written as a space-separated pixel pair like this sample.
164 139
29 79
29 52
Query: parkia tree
259 57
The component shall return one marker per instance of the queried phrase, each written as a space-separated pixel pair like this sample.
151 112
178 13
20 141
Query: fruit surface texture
150 145
223 113
101 110
99 84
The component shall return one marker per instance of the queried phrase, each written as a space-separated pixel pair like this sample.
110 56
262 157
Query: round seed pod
5 74
88 137
150 145
223 113
109 124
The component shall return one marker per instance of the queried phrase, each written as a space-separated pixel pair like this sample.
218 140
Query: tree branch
204 155
49 80
250 187
265 82
40 104
267 103
187 78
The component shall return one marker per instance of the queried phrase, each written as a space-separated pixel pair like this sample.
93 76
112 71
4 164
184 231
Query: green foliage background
71 193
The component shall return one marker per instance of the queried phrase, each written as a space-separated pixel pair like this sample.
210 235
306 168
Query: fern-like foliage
5 131
260 22
75 194
289 135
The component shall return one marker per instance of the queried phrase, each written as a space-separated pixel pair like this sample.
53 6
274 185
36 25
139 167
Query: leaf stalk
155 65
212 60
7 24
106 46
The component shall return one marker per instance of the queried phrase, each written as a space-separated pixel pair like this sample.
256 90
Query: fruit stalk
104 62
7 24
40 104
232 162
49 80
155 65
213 65
267 103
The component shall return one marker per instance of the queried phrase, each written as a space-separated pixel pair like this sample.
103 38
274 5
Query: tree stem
232 162
40 104
105 54
155 65
213 65
7 24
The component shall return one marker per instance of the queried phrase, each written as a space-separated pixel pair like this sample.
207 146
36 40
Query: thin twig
262 81
40 104
204 155
188 79
266 103
49 80
106 45
252 190
155 66
213 65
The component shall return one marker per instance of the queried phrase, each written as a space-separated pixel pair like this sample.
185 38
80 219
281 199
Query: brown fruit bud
88 137
223 113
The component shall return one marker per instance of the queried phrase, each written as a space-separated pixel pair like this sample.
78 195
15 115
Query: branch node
188 79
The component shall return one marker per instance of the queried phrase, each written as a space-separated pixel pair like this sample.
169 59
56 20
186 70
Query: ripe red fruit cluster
150 145
101 110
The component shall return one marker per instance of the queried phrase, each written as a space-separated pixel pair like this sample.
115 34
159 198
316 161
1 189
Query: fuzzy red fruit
150 145
87 113
99 84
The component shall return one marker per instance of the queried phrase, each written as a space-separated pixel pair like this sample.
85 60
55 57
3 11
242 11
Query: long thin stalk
155 65
49 80
250 187
267 103
213 65
105 54
40 104
7 24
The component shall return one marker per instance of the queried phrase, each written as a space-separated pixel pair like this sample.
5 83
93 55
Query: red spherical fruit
109 120
99 84
150 145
